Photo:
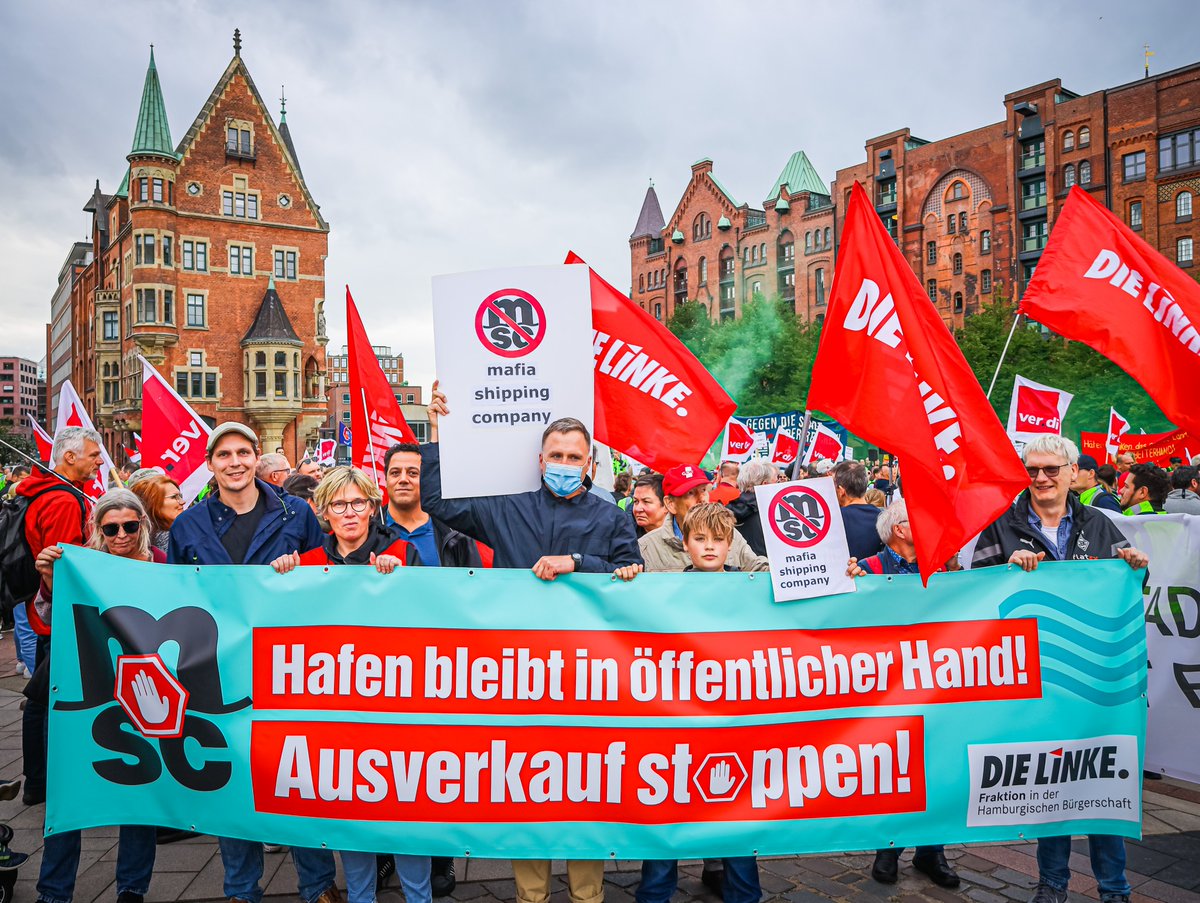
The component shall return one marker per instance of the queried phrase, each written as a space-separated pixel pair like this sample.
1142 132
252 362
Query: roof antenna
237 42
282 106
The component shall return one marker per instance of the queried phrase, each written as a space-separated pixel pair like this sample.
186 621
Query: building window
1183 206
985 281
1179 151
143 248
195 311
681 282
157 189
241 204
1085 136
951 223
808 245
931 252
1134 166
1135 214
1033 154
144 185
962 223
198 380
1033 194
168 252
827 237
1068 141
658 311
410 398
147 305
702 227
985 241
746 256
1033 236
111 322
886 191
958 260
237 141
195 255
1069 175
727 264
958 302
1183 252
702 271
1085 173
241 260
957 191
168 306
819 286
931 290
285 264
787 249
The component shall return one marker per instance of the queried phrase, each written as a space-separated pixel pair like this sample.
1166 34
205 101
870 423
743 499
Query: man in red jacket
57 514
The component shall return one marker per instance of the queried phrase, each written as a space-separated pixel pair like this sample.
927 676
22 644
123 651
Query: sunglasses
130 526
1051 472
357 505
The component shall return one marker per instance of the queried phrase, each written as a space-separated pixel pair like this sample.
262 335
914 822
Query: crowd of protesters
258 510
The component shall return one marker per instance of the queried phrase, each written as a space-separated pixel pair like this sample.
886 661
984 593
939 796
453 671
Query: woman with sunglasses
348 500
163 502
119 527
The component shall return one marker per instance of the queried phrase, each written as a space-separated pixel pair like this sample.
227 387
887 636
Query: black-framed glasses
358 506
130 526
1051 471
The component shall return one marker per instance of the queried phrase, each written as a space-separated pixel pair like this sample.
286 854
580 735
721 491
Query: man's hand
385 564
1026 560
550 566
437 408
1135 558
853 570
44 563
628 572
285 563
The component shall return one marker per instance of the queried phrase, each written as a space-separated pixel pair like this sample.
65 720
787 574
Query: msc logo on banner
510 323
145 711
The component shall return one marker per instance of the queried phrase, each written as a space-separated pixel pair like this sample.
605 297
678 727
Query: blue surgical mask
563 479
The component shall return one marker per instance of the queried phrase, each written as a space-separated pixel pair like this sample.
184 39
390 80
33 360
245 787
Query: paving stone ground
1164 867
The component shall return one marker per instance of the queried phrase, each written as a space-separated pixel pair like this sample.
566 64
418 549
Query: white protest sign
806 539
514 353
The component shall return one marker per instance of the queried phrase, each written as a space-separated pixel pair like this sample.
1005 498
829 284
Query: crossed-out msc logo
145 712
799 516
510 322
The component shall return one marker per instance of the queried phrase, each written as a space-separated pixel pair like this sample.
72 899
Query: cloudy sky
449 136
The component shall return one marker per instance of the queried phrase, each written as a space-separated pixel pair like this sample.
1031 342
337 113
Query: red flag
654 401
889 370
174 437
826 444
1150 448
785 447
1098 283
739 441
371 398
71 412
45 444
1036 409
1118 426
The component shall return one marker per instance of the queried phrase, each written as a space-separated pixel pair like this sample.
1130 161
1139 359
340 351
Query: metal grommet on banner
751 576
323 844
326 571
197 570
470 572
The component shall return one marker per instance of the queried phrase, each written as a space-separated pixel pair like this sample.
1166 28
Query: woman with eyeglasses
348 500
119 527
163 502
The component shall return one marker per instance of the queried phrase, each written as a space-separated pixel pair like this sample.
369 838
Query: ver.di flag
1118 426
739 441
376 422
913 392
826 444
1099 283
45 444
1036 410
174 436
71 412
784 447
654 400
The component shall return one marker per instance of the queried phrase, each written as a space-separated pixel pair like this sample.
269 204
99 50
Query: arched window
1068 141
957 264
827 244
819 286
985 241
1183 205
962 222
746 256
808 243
1069 175
951 223
762 252
641 283
1085 136
727 263
681 281
702 271
958 302
1085 173
701 227
957 191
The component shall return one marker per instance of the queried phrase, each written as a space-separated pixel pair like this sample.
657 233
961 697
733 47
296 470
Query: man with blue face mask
558 528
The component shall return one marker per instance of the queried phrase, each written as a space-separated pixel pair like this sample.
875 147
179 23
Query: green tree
22 443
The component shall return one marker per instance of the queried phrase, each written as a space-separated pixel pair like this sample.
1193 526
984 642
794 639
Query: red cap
682 479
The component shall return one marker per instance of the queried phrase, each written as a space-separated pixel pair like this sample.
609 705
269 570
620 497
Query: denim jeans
243 862
33 733
1108 862
60 863
661 876
360 872
24 638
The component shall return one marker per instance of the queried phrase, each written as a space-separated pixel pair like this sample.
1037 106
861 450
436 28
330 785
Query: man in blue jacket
245 521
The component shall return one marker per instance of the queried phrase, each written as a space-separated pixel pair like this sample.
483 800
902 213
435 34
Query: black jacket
1093 535
455 550
745 509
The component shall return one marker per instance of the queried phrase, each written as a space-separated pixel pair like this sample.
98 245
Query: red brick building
720 252
209 261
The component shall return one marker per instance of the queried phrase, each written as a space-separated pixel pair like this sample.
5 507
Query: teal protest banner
486 713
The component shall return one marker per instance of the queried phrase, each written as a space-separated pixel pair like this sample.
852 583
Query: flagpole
1000 363
49 470
371 447
796 465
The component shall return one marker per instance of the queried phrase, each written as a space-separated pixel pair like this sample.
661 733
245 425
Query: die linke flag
1118 426
1036 410
913 392
376 423
174 436
826 444
785 447
1098 283
739 441
45 444
654 400
71 412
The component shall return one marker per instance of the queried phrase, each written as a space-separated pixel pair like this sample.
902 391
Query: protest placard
806 539
514 353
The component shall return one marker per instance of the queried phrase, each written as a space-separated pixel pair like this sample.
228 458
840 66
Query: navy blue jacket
522 528
288 525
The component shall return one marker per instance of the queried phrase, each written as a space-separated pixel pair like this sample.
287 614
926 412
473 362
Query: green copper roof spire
153 132
799 175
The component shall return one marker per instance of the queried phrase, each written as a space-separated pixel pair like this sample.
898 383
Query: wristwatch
578 559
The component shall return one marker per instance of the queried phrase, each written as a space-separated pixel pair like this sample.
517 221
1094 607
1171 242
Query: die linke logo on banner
510 323
799 517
